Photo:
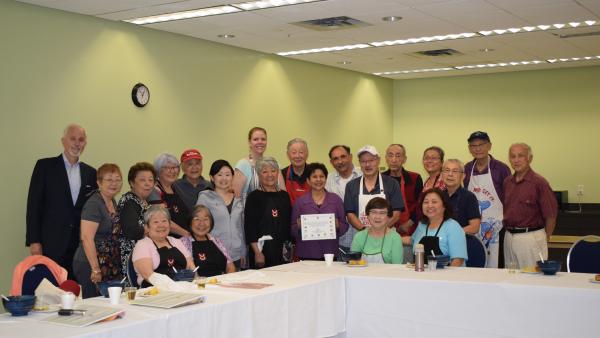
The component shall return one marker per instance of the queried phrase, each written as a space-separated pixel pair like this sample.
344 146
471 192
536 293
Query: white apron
364 199
491 213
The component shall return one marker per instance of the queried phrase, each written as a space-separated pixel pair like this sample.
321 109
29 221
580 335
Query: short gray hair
264 162
162 160
154 210
296 140
523 145
457 162
71 126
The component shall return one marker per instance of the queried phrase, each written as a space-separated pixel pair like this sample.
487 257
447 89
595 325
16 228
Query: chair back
131 274
477 254
30 272
584 255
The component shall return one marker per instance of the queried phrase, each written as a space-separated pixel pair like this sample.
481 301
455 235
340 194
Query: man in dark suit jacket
59 187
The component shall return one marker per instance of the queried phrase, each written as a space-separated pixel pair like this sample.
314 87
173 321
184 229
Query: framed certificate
317 226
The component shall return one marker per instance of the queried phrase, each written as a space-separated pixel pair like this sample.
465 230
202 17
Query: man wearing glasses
484 177
372 184
464 203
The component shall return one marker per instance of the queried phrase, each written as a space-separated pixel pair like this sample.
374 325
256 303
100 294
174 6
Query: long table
309 299
395 301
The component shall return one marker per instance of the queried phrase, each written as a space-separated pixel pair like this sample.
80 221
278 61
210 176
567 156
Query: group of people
250 215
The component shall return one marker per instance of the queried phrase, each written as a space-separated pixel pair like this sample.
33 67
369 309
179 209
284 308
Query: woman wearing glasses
167 172
378 242
98 258
433 157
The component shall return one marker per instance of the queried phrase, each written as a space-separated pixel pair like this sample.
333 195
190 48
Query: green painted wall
57 68
557 112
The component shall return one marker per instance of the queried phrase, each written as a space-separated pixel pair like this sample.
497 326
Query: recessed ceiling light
391 18
325 49
486 50
344 62
226 36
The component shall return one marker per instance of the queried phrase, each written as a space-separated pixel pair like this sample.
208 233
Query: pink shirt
145 248
528 203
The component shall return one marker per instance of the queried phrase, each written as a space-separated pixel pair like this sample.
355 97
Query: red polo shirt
529 202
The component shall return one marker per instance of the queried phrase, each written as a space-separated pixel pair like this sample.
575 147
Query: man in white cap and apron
484 177
371 184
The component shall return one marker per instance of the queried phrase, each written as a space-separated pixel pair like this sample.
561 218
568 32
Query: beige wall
57 68
557 112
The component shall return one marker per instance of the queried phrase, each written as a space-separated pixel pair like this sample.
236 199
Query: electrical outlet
580 190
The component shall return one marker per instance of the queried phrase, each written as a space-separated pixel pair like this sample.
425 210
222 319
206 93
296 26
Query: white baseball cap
368 149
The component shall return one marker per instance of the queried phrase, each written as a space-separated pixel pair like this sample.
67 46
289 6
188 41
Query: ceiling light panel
196 13
254 5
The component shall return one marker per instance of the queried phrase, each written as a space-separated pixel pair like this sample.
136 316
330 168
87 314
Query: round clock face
140 95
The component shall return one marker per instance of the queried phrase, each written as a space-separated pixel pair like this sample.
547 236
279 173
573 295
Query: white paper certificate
318 226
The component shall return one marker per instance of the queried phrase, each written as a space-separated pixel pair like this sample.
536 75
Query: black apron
208 258
169 258
431 243
274 222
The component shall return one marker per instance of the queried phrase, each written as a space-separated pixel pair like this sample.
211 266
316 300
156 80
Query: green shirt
392 246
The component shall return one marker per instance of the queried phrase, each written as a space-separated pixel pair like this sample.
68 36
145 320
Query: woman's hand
259 259
96 276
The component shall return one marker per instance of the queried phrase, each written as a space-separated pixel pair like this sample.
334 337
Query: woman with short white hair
167 172
267 213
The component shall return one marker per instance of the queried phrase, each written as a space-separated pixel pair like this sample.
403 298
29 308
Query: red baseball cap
190 154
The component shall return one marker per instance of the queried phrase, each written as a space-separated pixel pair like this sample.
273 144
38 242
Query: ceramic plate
357 265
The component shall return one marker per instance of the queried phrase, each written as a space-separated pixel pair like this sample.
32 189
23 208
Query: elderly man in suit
59 187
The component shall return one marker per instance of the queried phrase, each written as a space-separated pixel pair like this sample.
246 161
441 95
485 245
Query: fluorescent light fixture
254 5
408 41
493 65
415 71
218 10
196 13
325 49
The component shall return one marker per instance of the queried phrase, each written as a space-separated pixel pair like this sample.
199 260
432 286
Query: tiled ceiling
271 31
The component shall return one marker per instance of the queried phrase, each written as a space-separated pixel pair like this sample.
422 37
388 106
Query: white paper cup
114 293
432 264
328 259
67 300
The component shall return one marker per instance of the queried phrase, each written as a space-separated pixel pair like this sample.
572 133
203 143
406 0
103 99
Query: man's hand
35 248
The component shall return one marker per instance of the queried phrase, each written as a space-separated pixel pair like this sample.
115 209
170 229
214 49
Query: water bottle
419 257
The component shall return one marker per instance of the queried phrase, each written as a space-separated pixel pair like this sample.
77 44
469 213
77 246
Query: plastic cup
114 294
67 300
431 264
512 267
328 259
130 292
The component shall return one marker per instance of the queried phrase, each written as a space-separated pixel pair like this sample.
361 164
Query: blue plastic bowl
103 286
442 260
19 305
185 275
549 267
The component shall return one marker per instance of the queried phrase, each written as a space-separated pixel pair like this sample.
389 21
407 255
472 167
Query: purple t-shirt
332 204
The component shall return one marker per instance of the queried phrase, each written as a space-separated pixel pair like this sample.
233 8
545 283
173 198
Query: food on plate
597 277
357 262
213 280
152 292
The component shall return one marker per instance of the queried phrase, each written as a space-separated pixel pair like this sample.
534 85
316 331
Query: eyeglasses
453 171
112 181
368 161
431 158
171 168
378 212
478 145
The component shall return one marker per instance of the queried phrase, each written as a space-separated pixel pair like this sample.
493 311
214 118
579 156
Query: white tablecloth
297 305
394 301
